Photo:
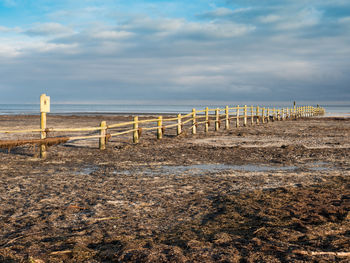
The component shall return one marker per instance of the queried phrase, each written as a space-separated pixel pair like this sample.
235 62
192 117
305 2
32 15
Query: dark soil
137 203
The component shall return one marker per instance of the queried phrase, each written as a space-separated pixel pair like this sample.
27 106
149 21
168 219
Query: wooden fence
220 117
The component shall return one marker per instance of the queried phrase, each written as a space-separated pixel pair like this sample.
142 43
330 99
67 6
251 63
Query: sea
140 109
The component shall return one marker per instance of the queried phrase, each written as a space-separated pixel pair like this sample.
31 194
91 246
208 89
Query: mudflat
274 192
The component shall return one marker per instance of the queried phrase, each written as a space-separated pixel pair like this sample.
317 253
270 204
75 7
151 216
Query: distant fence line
239 114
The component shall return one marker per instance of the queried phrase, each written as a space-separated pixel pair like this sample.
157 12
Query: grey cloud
238 56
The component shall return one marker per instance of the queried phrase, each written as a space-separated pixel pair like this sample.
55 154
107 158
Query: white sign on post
44 103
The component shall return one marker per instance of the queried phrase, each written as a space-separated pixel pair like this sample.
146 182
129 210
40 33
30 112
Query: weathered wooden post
263 115
206 129
282 115
227 119
294 110
285 112
179 124
159 129
237 116
268 115
194 127
103 132
44 108
278 114
252 114
217 119
245 116
257 114
274 114
136 130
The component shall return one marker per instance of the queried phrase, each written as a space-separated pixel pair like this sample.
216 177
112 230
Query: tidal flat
274 192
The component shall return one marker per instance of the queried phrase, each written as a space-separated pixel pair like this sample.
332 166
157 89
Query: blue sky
219 50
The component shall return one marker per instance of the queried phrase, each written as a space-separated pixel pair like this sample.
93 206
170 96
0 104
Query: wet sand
266 193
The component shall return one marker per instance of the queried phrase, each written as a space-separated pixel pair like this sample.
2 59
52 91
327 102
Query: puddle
205 168
197 169
224 167
86 170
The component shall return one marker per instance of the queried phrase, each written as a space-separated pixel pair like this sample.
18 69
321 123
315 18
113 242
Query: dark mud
137 203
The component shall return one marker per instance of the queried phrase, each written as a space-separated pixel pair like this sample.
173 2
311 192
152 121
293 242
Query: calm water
331 110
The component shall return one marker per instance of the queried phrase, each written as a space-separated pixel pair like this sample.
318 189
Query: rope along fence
220 118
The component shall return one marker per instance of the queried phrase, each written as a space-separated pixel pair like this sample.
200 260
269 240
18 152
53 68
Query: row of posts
261 115
266 114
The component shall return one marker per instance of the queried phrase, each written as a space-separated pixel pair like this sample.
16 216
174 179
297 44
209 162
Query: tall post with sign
44 108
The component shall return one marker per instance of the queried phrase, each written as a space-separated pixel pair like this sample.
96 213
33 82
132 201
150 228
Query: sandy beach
274 192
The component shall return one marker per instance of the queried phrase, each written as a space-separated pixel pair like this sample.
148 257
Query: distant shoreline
328 114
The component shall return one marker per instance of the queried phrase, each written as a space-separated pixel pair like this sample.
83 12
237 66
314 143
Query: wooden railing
237 115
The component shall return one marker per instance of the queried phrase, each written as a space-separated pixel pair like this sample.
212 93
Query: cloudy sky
222 50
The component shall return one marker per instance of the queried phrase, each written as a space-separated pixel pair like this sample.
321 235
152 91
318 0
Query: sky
94 51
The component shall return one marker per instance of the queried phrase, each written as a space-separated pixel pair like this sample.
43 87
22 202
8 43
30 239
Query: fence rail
191 121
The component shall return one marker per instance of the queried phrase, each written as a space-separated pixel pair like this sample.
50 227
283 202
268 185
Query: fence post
237 116
245 116
194 127
278 114
263 115
286 113
257 114
252 114
206 120
43 134
44 108
217 119
136 130
102 142
159 129
268 115
227 119
179 123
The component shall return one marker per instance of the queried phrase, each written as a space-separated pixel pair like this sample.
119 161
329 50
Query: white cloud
186 29
221 12
344 20
304 18
269 18
4 29
49 29
113 35
7 50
